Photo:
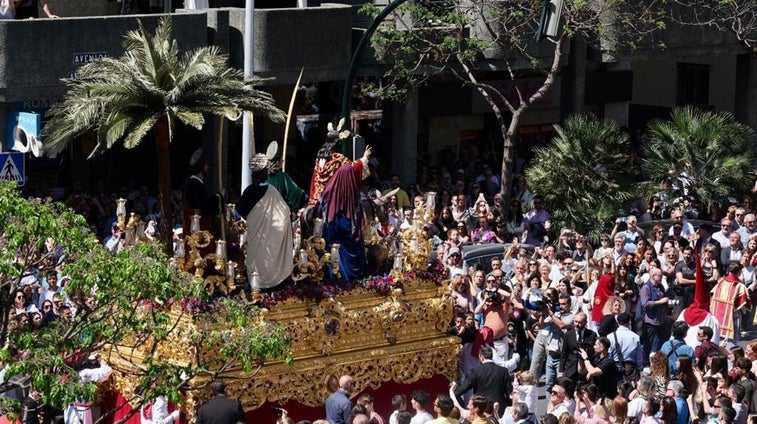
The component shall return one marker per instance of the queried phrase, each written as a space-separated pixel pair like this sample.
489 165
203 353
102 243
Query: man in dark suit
575 338
220 410
732 253
489 379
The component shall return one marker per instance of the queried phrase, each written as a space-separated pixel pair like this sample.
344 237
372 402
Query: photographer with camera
554 318
494 305
654 305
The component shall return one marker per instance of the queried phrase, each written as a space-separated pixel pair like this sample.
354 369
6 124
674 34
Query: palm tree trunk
163 147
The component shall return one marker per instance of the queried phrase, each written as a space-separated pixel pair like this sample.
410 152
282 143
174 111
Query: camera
492 296
277 411
537 301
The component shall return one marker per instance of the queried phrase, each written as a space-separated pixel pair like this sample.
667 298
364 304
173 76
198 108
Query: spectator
26 9
625 347
367 401
338 405
443 407
577 338
677 346
603 373
399 404
488 379
403 201
654 306
723 236
419 403
537 222
731 253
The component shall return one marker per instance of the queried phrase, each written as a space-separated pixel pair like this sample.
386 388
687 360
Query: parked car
479 256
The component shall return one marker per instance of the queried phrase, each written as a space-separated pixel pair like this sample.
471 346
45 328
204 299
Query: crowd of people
640 326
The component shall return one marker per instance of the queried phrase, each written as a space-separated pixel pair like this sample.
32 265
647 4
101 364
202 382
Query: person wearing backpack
677 346
704 335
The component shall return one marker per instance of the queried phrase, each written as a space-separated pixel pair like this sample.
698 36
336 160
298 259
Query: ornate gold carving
400 337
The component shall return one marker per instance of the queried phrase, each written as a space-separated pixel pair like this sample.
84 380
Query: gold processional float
388 328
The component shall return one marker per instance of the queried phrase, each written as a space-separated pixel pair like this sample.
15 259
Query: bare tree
467 38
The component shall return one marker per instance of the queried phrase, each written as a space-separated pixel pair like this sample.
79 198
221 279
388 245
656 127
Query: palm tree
705 154
148 89
583 173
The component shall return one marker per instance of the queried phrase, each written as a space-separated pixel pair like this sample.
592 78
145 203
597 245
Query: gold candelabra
215 268
414 247
311 259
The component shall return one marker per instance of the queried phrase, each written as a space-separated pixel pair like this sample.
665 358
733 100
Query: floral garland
381 284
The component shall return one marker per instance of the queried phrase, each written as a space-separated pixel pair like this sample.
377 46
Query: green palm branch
150 88
712 148
583 173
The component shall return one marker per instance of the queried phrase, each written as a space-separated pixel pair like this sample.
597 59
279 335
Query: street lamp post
249 70
347 91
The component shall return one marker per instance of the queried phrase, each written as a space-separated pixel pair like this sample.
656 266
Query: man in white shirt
419 402
687 229
725 231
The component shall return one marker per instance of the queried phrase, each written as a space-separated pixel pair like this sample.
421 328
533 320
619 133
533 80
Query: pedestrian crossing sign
12 168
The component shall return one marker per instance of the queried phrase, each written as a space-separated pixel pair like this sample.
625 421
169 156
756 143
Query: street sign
12 168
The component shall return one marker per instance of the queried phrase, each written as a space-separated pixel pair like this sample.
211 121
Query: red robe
729 296
601 294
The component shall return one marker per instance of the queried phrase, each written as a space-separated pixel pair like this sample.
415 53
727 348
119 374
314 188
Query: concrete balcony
39 52
316 39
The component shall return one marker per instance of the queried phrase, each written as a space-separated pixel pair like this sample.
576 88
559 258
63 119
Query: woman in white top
21 304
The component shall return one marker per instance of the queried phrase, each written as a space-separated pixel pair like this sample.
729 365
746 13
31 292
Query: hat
114 224
260 161
452 251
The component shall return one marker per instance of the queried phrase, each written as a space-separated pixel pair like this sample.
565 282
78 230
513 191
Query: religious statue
269 229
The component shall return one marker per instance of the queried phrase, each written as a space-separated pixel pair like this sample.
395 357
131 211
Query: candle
195 225
335 252
430 200
221 250
398 263
318 227
179 251
303 257
255 280
231 271
121 208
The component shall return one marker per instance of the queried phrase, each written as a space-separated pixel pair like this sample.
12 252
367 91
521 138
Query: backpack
674 348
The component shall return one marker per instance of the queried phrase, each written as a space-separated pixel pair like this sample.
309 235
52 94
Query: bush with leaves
131 302
712 152
583 174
